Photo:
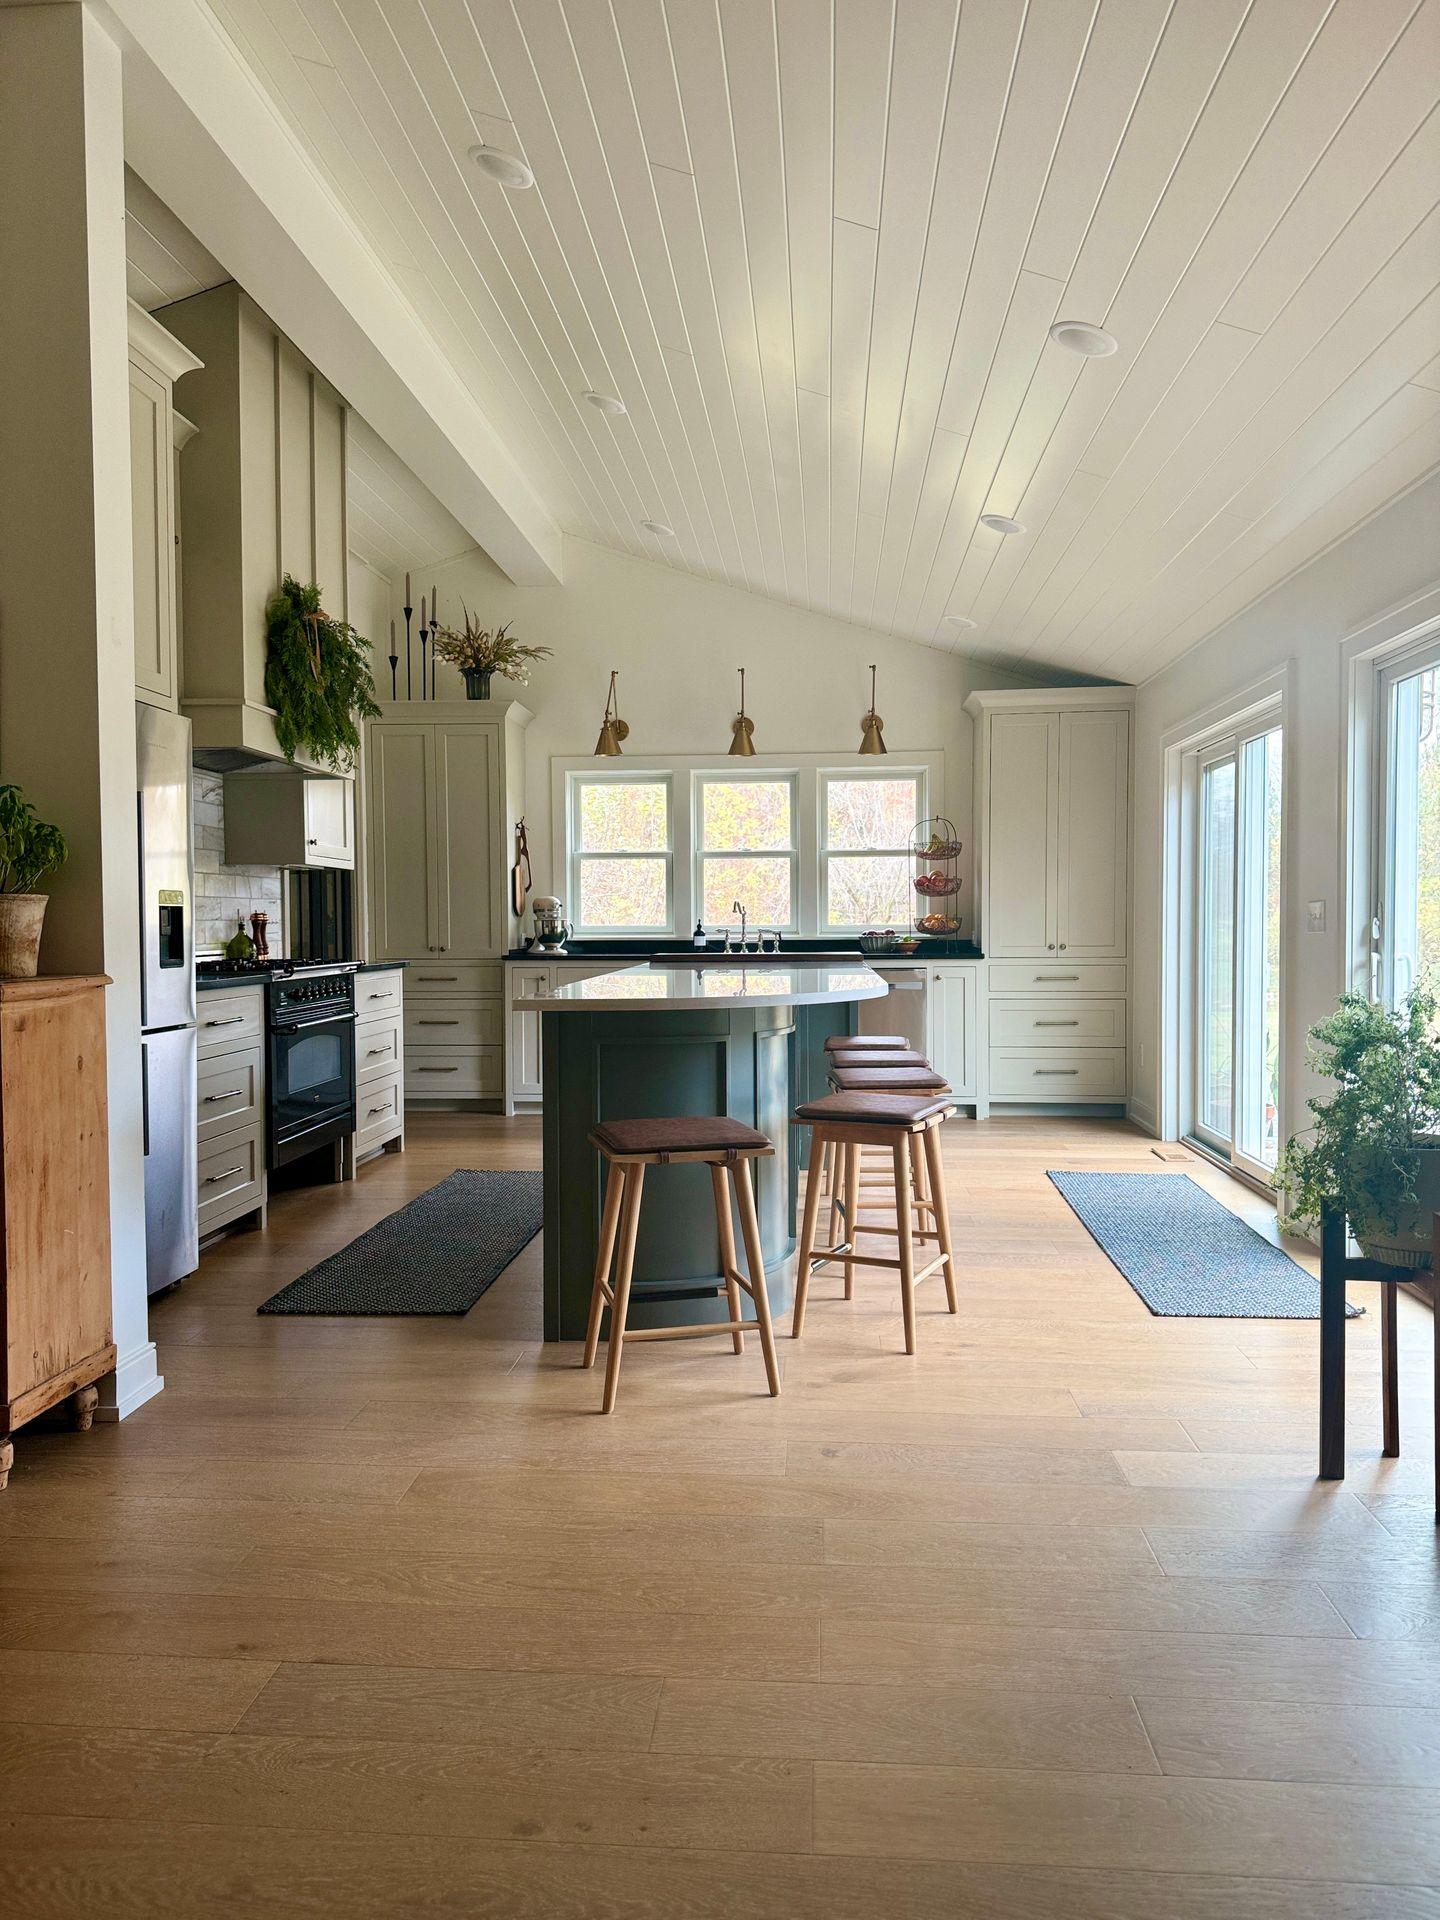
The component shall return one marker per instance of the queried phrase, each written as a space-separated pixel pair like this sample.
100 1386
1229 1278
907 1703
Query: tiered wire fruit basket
935 851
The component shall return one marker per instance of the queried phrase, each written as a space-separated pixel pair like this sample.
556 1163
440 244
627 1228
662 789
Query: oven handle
325 1020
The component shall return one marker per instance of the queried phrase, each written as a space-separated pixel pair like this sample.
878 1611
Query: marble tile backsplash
225 895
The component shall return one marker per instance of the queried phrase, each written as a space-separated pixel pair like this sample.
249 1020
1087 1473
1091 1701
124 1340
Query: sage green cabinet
157 360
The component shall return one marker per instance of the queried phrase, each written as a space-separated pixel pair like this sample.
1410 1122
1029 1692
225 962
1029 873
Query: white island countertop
673 987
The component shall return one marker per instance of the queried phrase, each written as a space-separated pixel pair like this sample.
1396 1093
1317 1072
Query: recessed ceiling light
1001 523
605 402
659 528
960 620
508 168
1093 343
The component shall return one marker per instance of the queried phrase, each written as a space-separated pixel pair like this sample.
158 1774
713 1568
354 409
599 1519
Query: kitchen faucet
735 907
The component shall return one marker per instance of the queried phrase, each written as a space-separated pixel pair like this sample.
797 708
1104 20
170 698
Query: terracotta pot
21 917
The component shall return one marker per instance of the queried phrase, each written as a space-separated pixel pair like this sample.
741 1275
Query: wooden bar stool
629 1147
842 1042
841 1054
877 1075
857 1118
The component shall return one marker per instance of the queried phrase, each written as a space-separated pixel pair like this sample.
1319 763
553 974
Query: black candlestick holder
409 690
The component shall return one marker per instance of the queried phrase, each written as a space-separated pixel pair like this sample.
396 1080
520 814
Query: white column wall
67 732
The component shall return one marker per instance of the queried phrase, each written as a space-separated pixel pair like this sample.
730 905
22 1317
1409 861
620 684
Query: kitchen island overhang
667 1039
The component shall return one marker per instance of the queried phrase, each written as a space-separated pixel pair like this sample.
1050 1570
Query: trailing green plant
473 647
29 849
1362 1153
317 677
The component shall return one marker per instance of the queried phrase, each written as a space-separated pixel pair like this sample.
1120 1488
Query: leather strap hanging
521 878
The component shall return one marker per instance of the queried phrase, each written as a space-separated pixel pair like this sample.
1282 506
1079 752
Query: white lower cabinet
379 1062
230 1106
1058 1032
956 1047
534 980
454 1031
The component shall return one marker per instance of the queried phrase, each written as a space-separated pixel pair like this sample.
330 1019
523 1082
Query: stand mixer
552 929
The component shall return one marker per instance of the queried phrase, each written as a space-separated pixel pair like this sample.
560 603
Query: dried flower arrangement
476 649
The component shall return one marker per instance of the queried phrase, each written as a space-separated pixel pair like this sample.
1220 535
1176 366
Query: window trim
1397 665
681 769
700 778
826 853
629 777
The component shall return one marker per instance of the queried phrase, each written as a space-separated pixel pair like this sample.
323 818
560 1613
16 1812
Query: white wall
676 642
1303 622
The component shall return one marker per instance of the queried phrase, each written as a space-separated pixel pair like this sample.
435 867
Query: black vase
477 682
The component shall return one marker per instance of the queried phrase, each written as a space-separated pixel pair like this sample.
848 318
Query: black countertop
637 950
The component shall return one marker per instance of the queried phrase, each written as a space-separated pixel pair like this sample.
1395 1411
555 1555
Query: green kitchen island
744 1038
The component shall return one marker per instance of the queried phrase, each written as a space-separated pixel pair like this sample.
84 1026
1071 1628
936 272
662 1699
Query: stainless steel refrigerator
167 995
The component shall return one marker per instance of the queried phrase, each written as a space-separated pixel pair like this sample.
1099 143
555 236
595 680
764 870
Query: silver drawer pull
211 1099
383 996
214 1179
1043 1073
1057 976
374 1053
437 1023
1056 1023
371 1112
437 1069
235 1020
436 979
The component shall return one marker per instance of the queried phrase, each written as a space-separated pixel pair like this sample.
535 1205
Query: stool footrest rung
696 1331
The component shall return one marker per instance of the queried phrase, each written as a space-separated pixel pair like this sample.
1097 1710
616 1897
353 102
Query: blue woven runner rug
1185 1254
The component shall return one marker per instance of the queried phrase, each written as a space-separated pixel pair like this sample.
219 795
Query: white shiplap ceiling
816 246
163 259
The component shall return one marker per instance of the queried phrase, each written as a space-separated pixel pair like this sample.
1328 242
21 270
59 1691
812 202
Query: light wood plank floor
381 1619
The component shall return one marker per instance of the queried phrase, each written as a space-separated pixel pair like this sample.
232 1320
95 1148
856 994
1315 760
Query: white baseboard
1144 1116
136 1379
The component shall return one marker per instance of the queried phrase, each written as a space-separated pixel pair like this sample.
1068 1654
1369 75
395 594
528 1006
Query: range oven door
312 1085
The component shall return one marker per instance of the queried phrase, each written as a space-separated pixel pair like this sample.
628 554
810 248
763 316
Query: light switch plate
1315 916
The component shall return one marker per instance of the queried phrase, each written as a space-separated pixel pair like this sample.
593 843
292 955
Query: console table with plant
1369 1165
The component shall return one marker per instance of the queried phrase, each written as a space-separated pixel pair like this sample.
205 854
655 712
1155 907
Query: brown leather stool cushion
883 1109
889 1079
848 1040
868 1057
698 1133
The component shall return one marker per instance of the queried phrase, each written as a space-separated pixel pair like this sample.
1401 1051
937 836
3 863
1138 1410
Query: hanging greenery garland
317 677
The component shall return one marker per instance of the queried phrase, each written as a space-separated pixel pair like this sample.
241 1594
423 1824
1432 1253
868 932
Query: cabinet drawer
452 1073
377 994
378 1048
454 1023
228 1093
231 1177
1094 1073
1050 1020
379 1112
225 1021
1057 976
454 978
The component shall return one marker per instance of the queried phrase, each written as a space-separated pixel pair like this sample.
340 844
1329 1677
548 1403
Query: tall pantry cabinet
1052 845
445 784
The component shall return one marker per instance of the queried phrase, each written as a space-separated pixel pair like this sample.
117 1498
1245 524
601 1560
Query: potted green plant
478 653
317 677
29 851
1373 1148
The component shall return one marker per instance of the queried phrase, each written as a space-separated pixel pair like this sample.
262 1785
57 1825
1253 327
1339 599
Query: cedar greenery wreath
317 677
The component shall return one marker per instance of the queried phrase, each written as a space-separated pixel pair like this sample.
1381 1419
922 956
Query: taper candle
407 590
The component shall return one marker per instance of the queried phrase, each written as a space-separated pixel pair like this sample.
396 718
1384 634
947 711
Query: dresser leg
82 1408
7 1460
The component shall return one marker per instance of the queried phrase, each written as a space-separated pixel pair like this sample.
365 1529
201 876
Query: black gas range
310 1027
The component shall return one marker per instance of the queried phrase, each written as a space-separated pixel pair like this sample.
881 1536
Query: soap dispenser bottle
699 937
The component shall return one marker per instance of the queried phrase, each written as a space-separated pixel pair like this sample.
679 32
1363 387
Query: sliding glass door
1235 999
1407 918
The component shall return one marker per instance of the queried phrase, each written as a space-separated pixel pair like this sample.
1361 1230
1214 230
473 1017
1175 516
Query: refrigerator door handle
145 1095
